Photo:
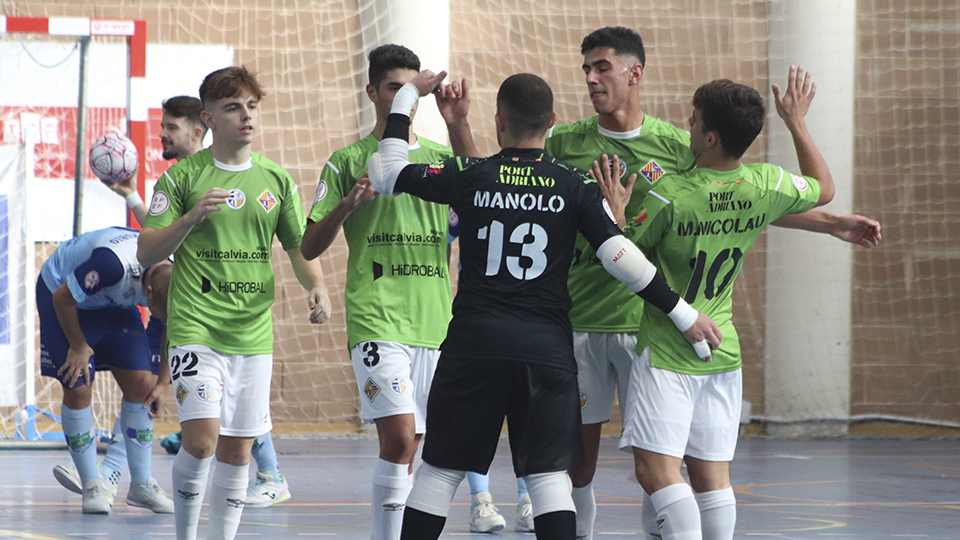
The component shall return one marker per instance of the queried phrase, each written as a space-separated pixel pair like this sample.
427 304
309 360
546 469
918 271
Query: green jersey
600 302
696 228
398 285
222 285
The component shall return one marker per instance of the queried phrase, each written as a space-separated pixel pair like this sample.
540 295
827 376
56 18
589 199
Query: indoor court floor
854 489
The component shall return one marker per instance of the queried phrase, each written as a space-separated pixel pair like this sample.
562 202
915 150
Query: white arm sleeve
392 154
624 261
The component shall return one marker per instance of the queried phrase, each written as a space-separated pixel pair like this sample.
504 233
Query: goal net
872 338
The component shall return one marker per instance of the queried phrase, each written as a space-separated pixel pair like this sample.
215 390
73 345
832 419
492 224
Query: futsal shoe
70 479
484 517
524 516
95 499
150 496
264 492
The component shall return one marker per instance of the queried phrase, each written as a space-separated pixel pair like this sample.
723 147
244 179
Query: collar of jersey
233 168
521 152
619 134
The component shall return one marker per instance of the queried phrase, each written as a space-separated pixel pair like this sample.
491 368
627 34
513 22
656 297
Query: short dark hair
187 107
228 83
525 102
388 57
734 111
621 40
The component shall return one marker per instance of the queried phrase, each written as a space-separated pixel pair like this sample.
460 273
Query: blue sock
521 489
81 440
138 436
266 456
479 483
115 461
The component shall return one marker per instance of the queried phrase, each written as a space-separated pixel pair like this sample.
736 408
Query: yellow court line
932 466
829 525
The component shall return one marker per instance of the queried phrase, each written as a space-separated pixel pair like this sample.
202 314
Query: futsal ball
113 158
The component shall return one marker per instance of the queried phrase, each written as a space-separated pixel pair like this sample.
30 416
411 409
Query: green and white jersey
222 285
600 302
696 228
398 282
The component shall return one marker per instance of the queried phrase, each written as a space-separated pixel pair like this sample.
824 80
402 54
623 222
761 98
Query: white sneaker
150 496
70 479
524 515
95 499
484 517
264 492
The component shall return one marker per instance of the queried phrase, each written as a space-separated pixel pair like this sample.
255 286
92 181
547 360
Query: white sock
718 514
189 483
648 519
678 517
586 505
227 496
391 485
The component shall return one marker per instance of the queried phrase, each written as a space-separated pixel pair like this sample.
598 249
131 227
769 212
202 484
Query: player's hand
704 335
209 203
155 398
319 303
453 101
857 230
794 102
427 81
124 188
77 365
616 194
361 193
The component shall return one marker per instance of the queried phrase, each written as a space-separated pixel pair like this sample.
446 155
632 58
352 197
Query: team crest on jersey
399 385
267 200
91 280
623 168
583 400
237 199
800 182
181 394
371 389
321 192
640 217
652 171
159 203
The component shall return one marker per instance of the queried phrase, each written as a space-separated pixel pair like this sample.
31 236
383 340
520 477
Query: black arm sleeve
659 294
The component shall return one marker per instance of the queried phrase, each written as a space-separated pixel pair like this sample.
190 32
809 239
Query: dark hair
525 102
388 57
228 83
734 111
621 40
187 107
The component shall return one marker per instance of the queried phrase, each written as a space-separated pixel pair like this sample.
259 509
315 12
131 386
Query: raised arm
453 101
792 106
310 276
855 229
319 235
128 190
156 245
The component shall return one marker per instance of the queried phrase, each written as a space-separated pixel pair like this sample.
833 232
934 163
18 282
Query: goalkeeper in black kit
509 348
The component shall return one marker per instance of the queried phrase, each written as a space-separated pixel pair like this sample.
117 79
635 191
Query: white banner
16 293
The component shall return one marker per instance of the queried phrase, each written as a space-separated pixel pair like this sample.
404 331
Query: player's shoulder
665 131
190 164
580 128
672 188
568 172
358 151
439 150
267 164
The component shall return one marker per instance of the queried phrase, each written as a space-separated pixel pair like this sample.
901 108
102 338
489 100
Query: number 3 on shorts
188 363
372 357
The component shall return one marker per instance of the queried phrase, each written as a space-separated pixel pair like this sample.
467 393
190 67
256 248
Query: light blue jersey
100 268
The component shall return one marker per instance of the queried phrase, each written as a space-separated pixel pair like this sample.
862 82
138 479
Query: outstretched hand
427 81
858 230
616 194
453 101
704 336
794 102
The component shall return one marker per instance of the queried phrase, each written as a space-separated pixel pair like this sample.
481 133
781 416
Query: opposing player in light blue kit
87 297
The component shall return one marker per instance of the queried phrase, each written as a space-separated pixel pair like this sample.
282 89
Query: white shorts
603 363
232 387
682 415
393 379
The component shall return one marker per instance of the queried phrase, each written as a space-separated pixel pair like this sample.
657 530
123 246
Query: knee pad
550 492
433 489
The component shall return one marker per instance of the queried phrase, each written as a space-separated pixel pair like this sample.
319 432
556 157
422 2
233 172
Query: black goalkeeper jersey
519 212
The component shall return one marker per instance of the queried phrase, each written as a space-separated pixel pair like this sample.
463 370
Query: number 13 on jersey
533 239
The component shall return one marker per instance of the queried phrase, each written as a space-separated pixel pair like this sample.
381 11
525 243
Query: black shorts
469 399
